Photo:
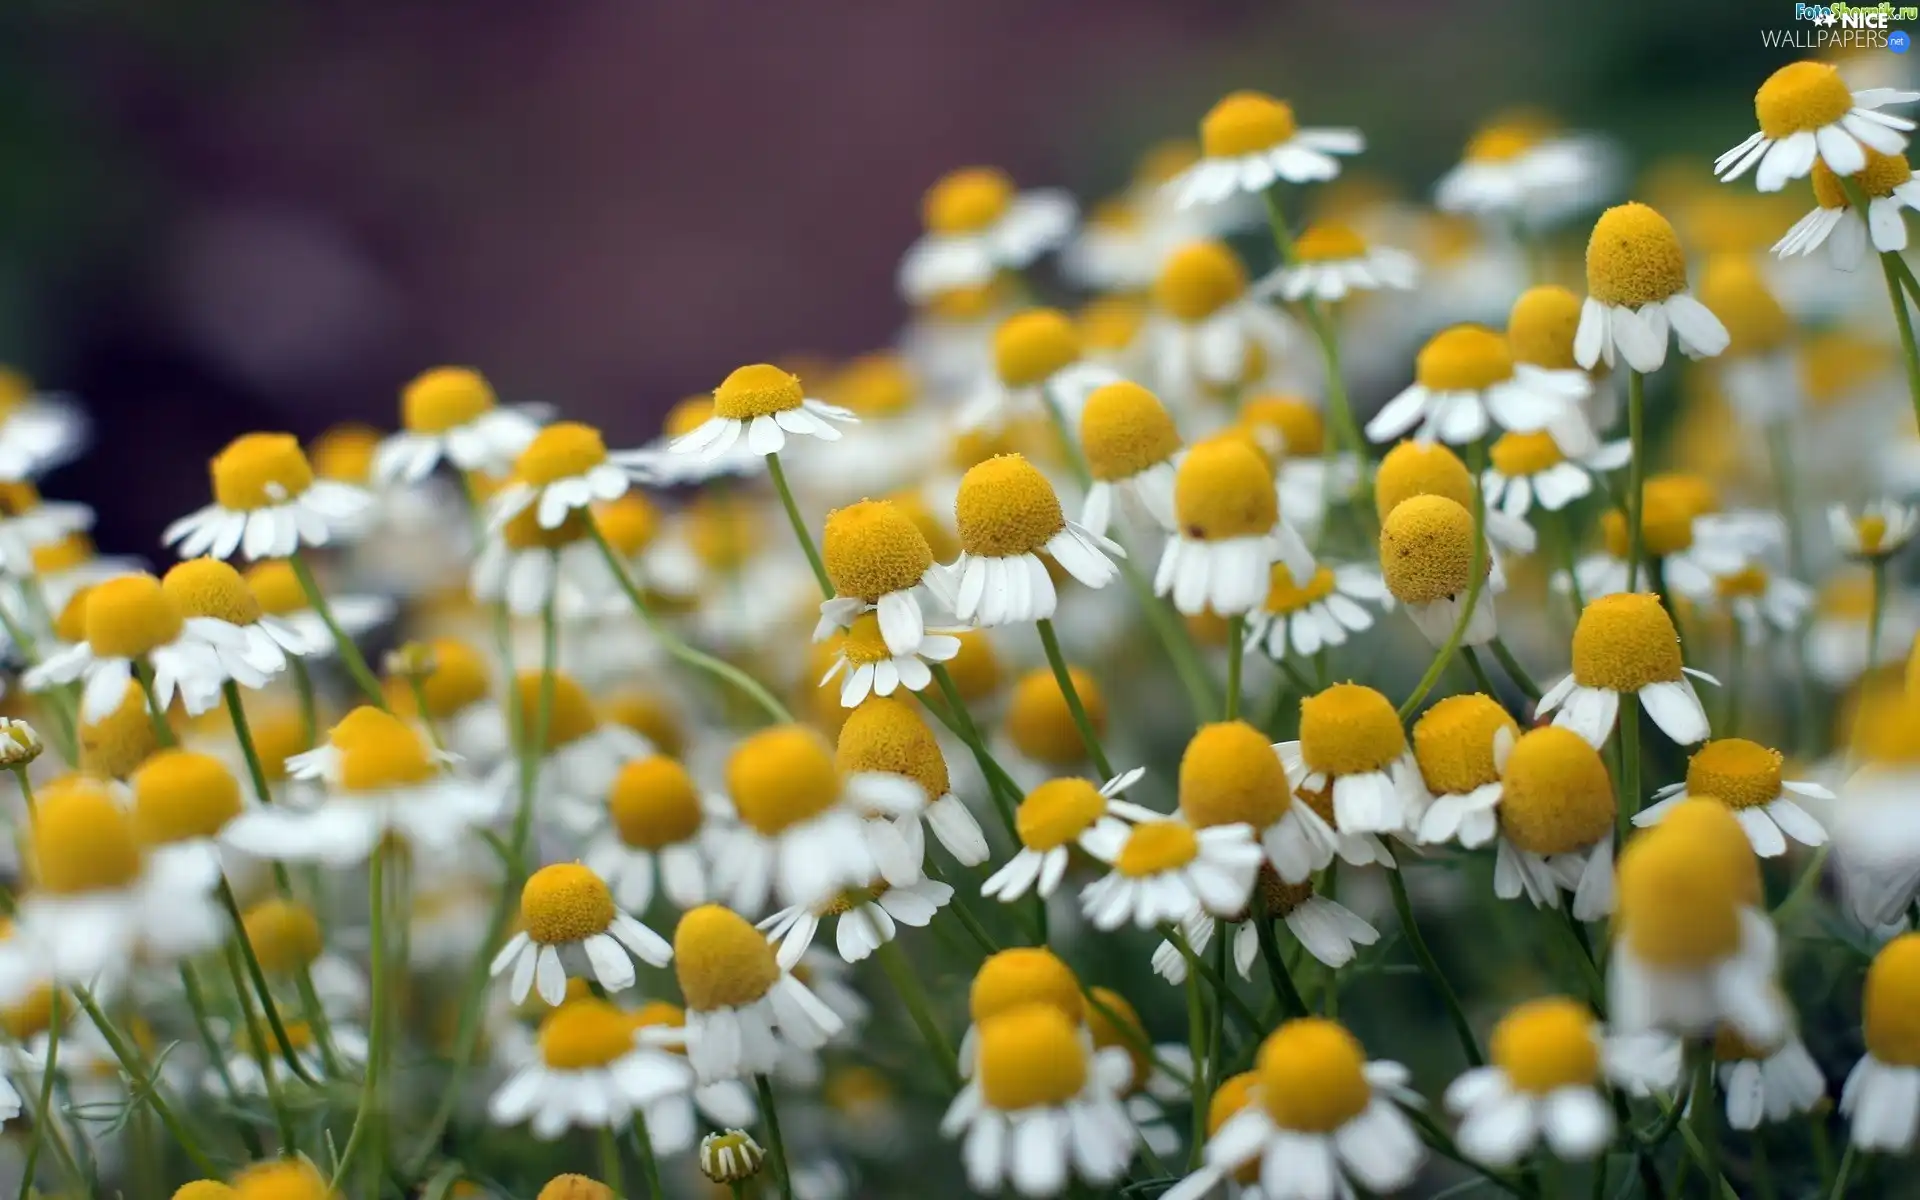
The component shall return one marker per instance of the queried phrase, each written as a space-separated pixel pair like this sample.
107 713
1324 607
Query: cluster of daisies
1006 750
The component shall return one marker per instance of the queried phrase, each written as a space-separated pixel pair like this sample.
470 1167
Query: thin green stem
1347 428
1078 710
776 1148
995 776
43 1111
309 705
367 1114
259 980
1514 670
355 662
900 973
262 1054
156 715
649 1164
1636 475
1455 1014
216 1054
1802 887
610 1173
1477 582
1236 659
1292 1003
144 1086
1479 672
1890 264
1197 1051
1702 1112
799 523
1843 1174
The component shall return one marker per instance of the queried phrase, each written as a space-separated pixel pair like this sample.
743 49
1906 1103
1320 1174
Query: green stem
309 706
1636 475
356 663
1802 887
1702 1111
1477 582
262 1054
156 716
610 1162
995 776
776 1148
366 1115
1514 670
1841 1176
1903 319
43 1111
1197 1051
203 1025
1569 559
259 980
145 1086
1455 1014
900 972
1081 721
1292 1003
1629 743
1236 657
799 524
1480 677
1348 429
649 1165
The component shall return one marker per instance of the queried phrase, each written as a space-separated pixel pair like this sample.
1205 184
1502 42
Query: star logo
1825 18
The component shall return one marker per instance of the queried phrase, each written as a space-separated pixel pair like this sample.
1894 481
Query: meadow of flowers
1263 690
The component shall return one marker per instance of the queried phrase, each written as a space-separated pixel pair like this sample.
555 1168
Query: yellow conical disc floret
1040 723
1518 454
120 741
179 796
1284 596
1800 98
1006 508
1556 796
1887 729
1465 358
1110 324
130 617
872 548
293 1179
721 960
584 1034
1198 280
1030 1057
1625 642
378 751
574 1187
966 201
1710 830
1420 469
284 934
344 453
1427 550
1284 426
759 390
1113 1022
875 385
565 902
1231 775
1666 524
781 777
276 587
1124 429
1328 241
1735 771
1634 258
562 450
444 398
1673 909
207 587
570 715
1313 1076
1024 975
1545 1045
650 714
1029 347
83 841
1245 122
204 1189
1152 847
1224 489
461 676
1349 729
1541 326
629 524
654 803
260 470
1453 743
1882 174
1057 812
887 735
1890 1005
1732 286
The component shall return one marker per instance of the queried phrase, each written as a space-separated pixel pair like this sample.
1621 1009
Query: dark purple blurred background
222 216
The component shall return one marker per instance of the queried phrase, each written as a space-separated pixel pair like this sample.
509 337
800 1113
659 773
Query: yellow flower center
444 398
1111 323
629 523
285 935
1224 489
940 537
1006 508
207 587
966 201
654 803
584 1034
759 390
1029 347
1675 910
872 548
1634 257
1040 723
1427 550
1024 975
1871 529
855 1091
1545 1045
722 961
1230 774
32 1015
563 450
1245 123
658 1014
862 644
781 777
969 303
570 714
1555 796
18 498
1420 469
1541 326
1313 1076
1741 773
1711 832
1284 426
1732 286
1890 1016
1453 743
1465 358
565 902
572 1187
1198 280
1349 729
1057 812
1030 1057
344 453
1123 1029
875 385
1156 846
1326 241
82 841
130 617
275 587
1125 429
294 1179
1501 143
1625 642
1800 98
1666 525
1285 597
119 742
1518 454
887 734
460 677
1750 580
688 415
179 796
204 1189
62 554
1882 174
379 751
260 470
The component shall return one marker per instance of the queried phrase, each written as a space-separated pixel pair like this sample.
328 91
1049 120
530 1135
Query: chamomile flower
1249 142
1888 184
1769 1082
866 667
1876 833
1036 363
1521 169
1637 291
673 1121
1697 548
566 909
1228 532
277 589
878 561
1626 643
1745 776
977 225
1013 979
260 1077
1546 1082
1453 743
251 643
38 430
1808 115
1837 636
1759 371
1331 261
130 621
865 919
743 1008
1043 1107
888 737
267 503
1556 814
1131 446
1351 745
1301 619
659 833
1325 928
1151 1090
1466 381
1007 515
287 940
451 414
1530 467
1415 468
1542 326
528 567
458 694
765 404
181 801
1691 952
1230 775
1882 528
1882 1092
1056 817
591 1073
1166 869
1427 549
581 755
1291 432
1212 333
565 469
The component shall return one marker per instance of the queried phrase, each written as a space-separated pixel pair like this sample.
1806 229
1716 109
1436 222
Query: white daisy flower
1837 648
527 567
131 621
566 910
865 920
866 667
1454 743
1326 929
1229 532
591 1073
565 469
1874 823
1007 514
1745 776
1249 142
267 503
1556 816
1519 170
243 1066
1164 870
1766 1083
878 561
888 739
977 225
674 1121
656 465
47 538
1699 552
451 413
661 832
1036 364
1132 451
1626 643
1210 334
1882 1092
1466 381
1763 602
38 430
765 404
1530 467
1057 816
1637 292
1351 745
251 643
1807 114
1302 619
1231 775
581 757
1890 188
1332 261
1882 528
1428 545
